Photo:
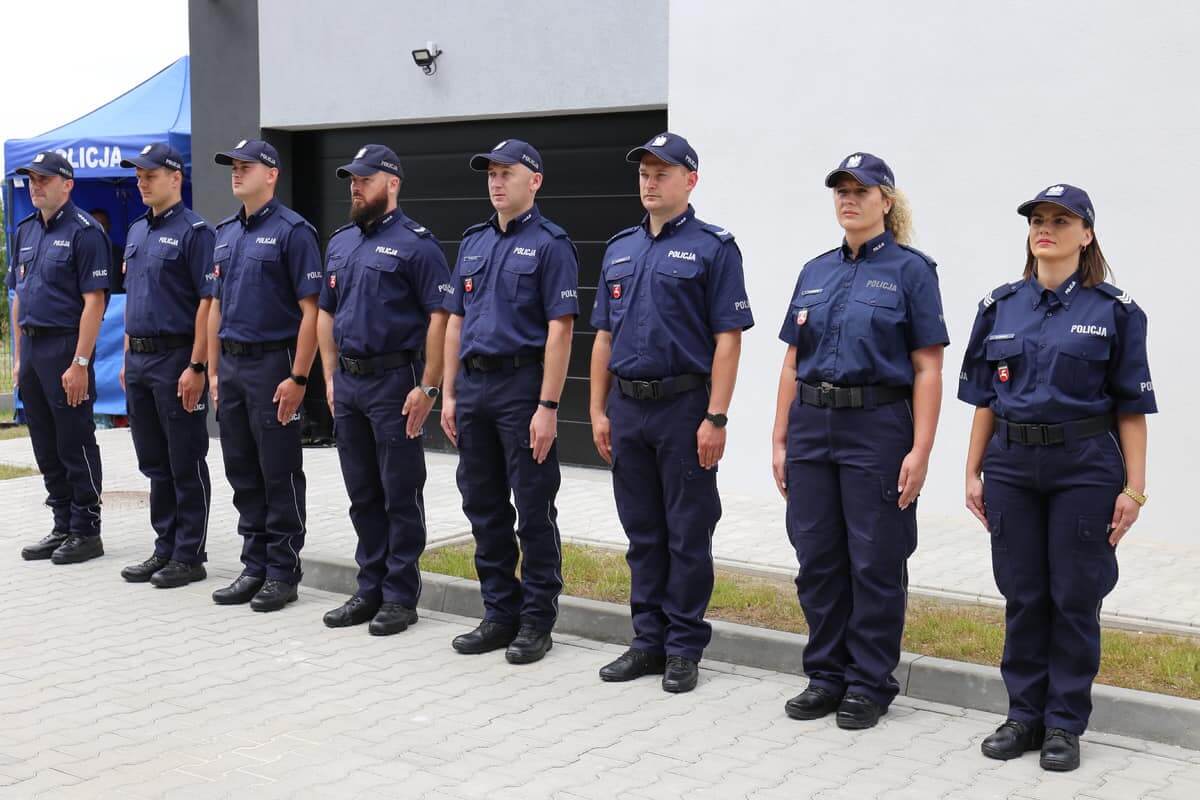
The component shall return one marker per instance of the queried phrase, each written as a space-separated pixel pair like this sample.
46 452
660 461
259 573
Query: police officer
513 301
669 316
1057 370
61 260
857 408
168 280
382 331
262 333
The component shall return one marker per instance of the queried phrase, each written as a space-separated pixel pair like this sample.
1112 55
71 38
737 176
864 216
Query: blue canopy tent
158 109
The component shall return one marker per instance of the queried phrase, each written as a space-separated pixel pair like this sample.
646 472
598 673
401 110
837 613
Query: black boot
487 637
274 595
1013 739
242 590
392 618
1060 751
45 548
632 664
813 703
857 712
177 573
681 675
354 611
529 646
77 549
140 573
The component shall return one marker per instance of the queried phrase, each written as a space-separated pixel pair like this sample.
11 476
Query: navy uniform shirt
508 285
168 270
381 284
55 264
664 297
855 321
1042 356
263 266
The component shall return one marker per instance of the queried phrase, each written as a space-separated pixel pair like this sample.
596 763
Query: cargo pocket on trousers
1000 565
279 449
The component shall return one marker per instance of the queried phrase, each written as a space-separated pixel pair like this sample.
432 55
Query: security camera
426 58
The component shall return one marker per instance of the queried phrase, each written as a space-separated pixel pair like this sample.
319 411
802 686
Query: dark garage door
589 190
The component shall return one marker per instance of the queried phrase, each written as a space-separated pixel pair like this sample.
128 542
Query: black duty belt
255 348
158 344
827 395
498 363
381 363
661 388
1043 435
39 330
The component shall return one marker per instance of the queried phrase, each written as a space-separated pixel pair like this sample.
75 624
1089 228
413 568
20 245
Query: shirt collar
673 225
382 223
170 213
67 209
869 248
260 215
517 224
1065 293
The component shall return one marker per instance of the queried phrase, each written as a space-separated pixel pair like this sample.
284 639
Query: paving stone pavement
953 558
109 689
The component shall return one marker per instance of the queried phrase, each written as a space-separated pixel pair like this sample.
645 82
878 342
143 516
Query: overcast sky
64 58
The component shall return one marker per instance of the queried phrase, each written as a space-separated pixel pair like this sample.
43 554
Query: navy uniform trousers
63 438
1048 511
384 472
852 542
263 463
669 508
172 448
495 460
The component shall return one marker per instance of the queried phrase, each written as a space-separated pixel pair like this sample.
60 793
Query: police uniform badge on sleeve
1002 371
616 291
802 316
468 285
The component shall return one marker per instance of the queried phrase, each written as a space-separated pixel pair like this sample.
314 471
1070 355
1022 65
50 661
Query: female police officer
1051 359
865 334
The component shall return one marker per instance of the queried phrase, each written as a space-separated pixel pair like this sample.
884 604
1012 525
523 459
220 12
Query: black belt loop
381 363
255 348
660 388
1036 434
157 344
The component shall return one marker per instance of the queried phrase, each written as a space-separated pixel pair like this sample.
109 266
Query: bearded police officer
61 260
382 331
513 302
262 333
169 285
669 316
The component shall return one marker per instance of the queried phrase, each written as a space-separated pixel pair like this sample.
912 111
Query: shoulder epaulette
924 256
478 226
557 231
1116 294
716 230
417 228
622 234
999 293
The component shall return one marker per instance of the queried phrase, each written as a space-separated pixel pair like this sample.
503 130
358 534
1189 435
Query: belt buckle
1043 435
644 390
826 390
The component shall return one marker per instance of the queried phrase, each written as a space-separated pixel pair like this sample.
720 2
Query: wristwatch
301 380
1134 495
198 366
431 392
550 404
81 361
718 420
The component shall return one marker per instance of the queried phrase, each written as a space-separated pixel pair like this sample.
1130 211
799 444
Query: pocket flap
1090 348
810 300
615 272
1000 349
130 249
335 262
263 252
1093 529
678 268
473 266
521 266
887 487
58 254
881 298
167 252
382 263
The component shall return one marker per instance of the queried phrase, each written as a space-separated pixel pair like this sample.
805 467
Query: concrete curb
1144 715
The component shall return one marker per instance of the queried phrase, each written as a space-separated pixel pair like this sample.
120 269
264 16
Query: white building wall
330 63
976 106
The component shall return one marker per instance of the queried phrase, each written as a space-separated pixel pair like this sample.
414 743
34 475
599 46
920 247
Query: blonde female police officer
1057 369
858 405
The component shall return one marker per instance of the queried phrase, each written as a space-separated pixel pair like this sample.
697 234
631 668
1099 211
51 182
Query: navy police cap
1072 198
48 163
250 150
372 158
153 156
669 147
509 151
865 168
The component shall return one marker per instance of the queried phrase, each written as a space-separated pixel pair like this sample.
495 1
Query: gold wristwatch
1134 495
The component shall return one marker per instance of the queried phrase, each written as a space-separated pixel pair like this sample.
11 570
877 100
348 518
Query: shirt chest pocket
221 261
260 261
58 266
618 280
877 311
162 257
1081 365
1004 356
128 258
472 273
380 277
678 286
809 313
520 277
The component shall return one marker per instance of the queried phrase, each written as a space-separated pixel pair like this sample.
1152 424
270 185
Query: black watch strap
301 380
198 366
718 420
550 404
